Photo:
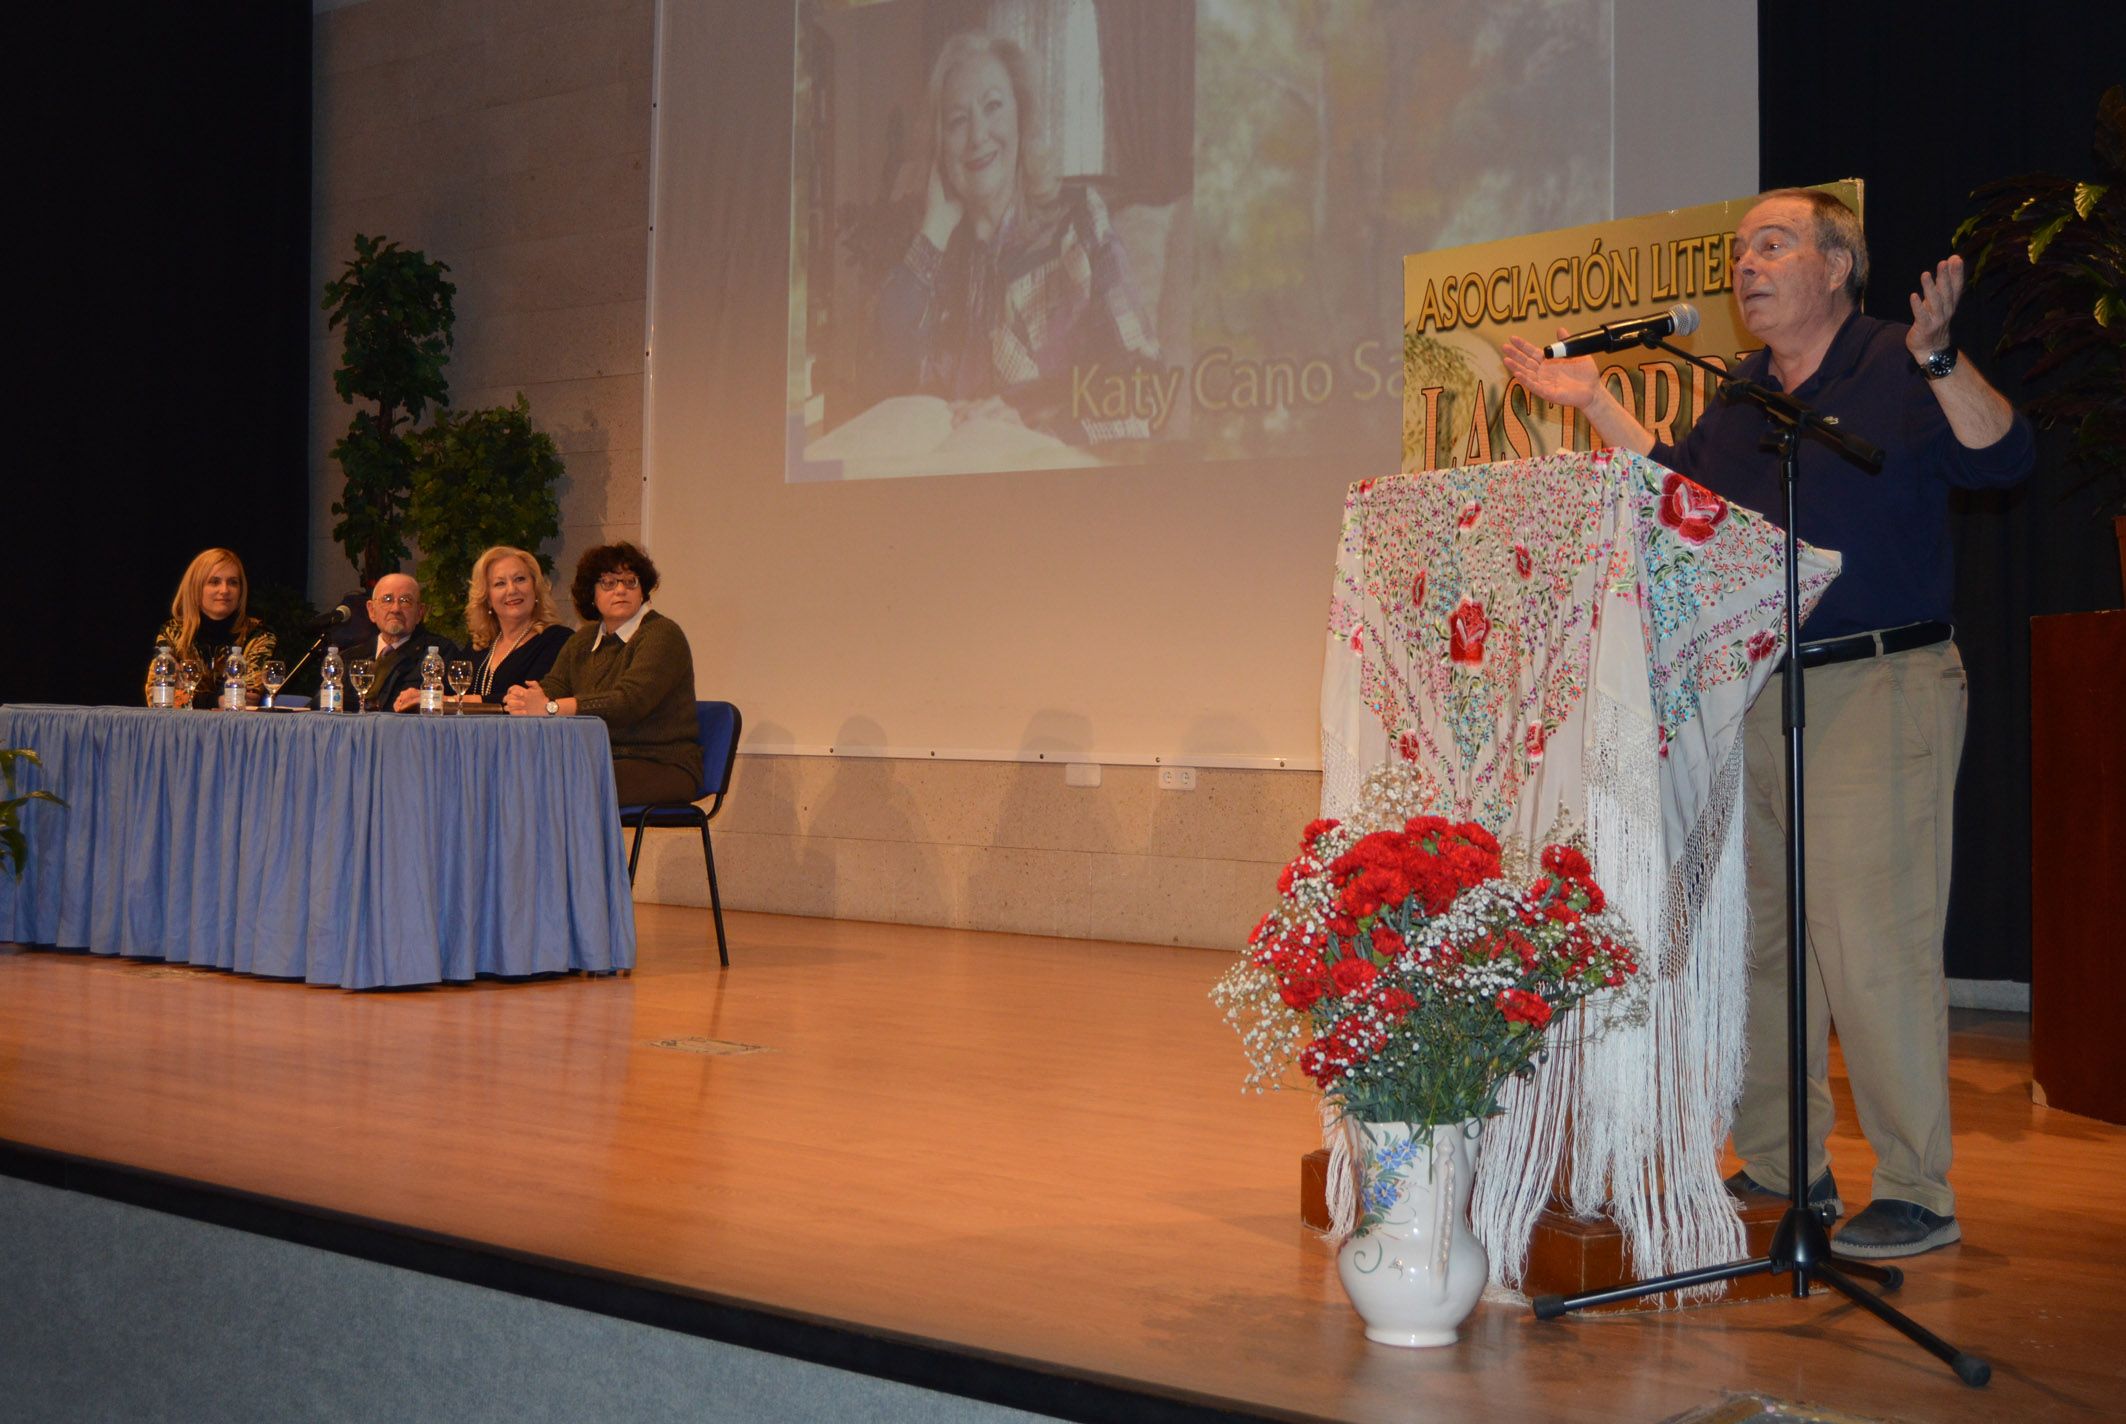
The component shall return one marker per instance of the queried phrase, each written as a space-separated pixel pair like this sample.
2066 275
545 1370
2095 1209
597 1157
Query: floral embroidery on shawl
1457 609
1574 640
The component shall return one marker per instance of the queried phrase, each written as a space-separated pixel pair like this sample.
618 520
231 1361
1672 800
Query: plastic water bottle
232 681
432 681
162 676
331 697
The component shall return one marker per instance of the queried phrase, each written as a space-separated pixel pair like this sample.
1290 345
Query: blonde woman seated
516 628
209 616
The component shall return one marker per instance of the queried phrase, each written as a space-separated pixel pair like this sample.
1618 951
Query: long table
360 850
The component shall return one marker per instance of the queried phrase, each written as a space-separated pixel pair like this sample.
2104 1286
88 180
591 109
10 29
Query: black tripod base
1802 1249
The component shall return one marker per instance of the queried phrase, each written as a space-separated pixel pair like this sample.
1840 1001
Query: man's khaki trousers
1882 742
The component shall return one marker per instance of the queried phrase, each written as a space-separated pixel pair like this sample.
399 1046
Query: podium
1567 645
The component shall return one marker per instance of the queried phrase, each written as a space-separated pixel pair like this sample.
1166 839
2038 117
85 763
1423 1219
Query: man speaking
1886 699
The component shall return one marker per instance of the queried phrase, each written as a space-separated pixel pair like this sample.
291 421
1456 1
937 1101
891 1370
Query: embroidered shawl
1572 641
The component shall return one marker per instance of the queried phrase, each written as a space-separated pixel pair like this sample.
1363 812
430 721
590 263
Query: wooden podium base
1569 1254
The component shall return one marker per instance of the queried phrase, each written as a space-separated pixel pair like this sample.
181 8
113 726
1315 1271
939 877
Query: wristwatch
1940 364
553 708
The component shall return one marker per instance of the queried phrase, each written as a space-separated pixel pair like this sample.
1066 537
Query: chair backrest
718 724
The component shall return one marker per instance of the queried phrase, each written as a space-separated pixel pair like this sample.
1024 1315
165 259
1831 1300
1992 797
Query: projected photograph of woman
1009 281
1012 280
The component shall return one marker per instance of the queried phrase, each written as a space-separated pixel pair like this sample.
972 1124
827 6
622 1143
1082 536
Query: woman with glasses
209 616
631 666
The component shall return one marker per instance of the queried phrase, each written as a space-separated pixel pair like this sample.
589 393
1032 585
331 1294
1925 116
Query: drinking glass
187 682
276 678
460 674
362 673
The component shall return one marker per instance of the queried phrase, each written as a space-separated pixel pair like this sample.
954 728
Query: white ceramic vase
1413 1268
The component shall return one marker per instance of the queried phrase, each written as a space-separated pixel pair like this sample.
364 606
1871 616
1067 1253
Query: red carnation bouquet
1407 975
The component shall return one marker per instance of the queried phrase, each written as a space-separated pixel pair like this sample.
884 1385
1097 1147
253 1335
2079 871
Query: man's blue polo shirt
1892 528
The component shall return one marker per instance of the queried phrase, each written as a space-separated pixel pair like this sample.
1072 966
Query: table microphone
322 625
1679 320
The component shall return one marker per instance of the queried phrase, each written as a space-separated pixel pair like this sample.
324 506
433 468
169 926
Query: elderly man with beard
1886 693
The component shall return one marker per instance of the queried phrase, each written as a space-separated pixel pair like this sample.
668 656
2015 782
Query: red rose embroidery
1536 738
1690 509
1467 627
1472 515
1523 561
1358 644
1762 645
1407 745
1417 588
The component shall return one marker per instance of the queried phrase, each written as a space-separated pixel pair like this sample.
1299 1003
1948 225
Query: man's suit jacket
402 668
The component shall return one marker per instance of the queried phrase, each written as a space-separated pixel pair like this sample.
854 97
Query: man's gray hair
1837 230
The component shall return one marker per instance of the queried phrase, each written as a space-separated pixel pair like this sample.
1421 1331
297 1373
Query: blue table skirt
359 850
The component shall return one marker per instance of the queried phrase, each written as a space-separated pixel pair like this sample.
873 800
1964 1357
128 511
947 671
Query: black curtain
1927 100
163 267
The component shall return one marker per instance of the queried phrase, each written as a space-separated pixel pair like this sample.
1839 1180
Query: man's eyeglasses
608 582
399 600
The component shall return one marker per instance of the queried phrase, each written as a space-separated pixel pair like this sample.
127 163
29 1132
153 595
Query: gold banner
1461 303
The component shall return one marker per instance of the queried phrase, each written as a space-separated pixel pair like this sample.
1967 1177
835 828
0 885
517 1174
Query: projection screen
1009 358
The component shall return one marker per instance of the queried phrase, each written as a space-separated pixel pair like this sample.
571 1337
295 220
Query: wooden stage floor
1012 1158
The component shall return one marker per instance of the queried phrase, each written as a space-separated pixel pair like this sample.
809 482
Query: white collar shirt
624 632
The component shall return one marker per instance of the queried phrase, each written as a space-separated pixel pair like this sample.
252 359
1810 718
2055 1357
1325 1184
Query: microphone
1679 320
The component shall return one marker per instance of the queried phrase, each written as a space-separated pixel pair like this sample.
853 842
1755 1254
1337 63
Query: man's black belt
1869 645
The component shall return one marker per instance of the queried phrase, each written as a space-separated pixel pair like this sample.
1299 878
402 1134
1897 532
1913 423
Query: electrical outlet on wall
1177 778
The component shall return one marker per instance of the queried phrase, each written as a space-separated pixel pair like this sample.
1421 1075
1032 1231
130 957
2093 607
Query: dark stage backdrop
163 265
1926 100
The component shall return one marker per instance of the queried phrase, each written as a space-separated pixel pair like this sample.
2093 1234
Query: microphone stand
1801 1247
321 637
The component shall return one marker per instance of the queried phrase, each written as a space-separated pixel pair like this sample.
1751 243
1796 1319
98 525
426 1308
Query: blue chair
717 723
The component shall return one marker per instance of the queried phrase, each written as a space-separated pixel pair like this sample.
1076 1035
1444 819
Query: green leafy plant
480 478
2058 247
14 846
396 309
